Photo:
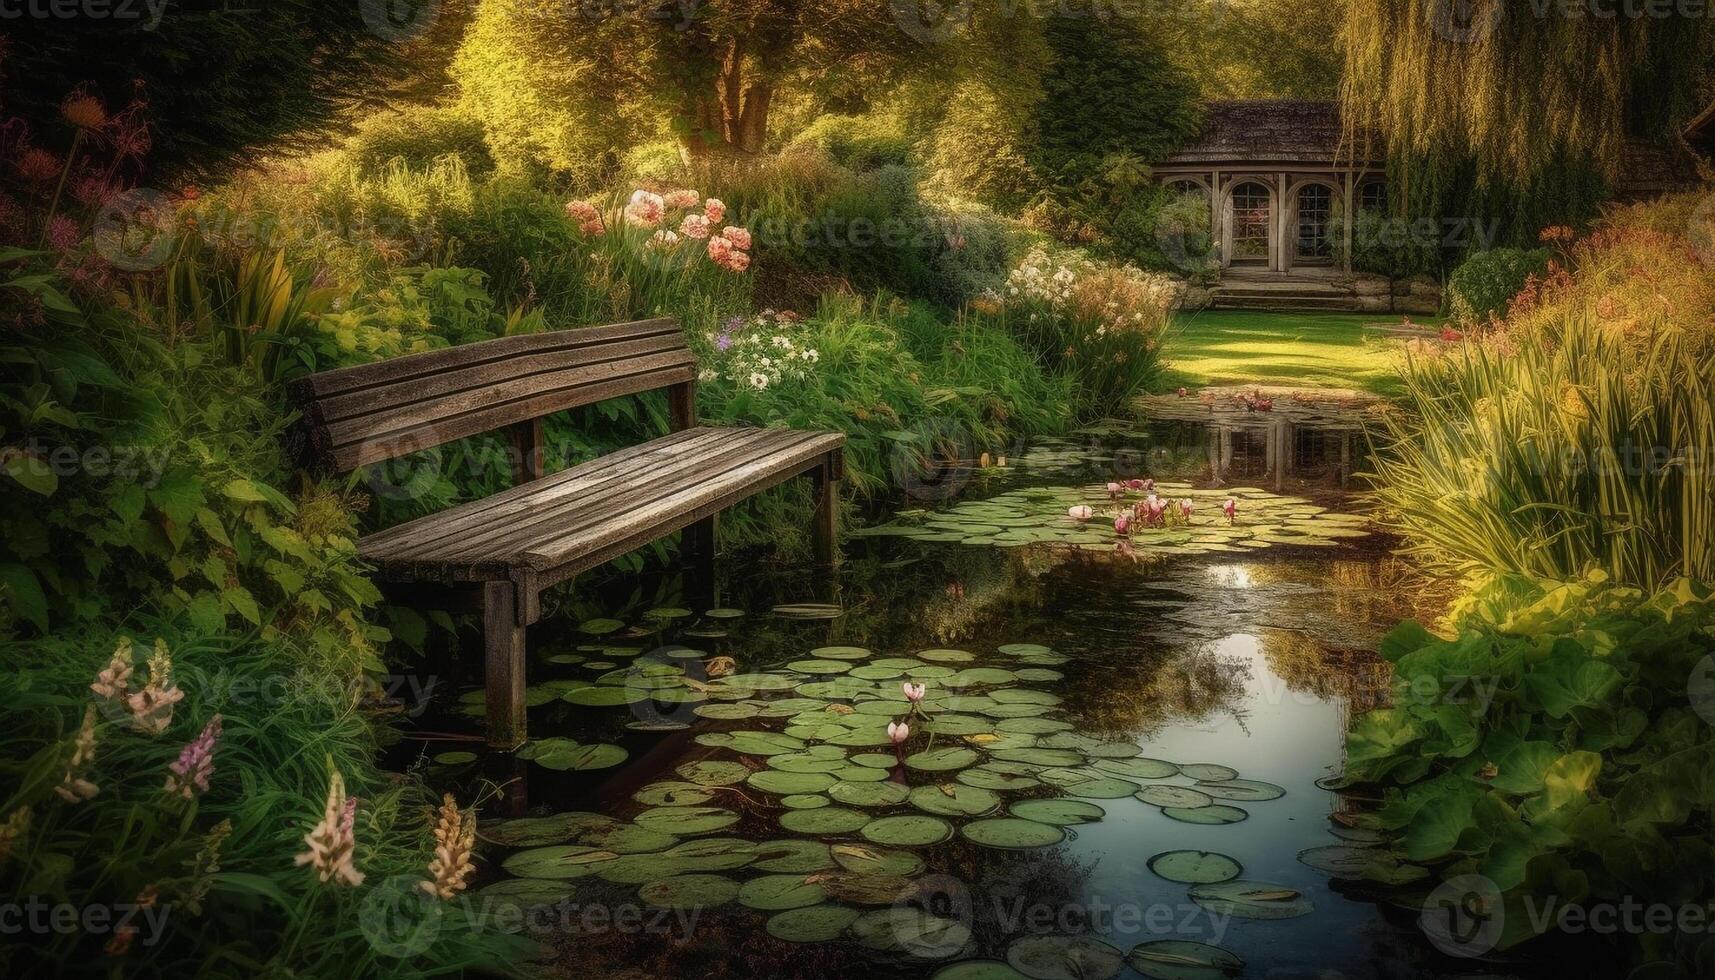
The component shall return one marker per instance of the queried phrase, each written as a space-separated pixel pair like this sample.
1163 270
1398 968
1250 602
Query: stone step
1280 290
1343 302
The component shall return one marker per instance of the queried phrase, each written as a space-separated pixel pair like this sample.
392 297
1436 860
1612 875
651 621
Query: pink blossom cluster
729 248
188 775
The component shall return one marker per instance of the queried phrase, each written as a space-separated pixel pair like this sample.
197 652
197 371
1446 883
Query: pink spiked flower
913 692
188 776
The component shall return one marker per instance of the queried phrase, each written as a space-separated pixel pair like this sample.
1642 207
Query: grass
1321 350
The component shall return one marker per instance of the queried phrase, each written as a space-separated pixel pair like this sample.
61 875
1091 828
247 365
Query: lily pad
869 793
1057 957
978 970
455 758
775 893
714 772
913 830
1137 768
789 783
1183 797
686 820
825 820
867 860
942 760
1241 790
1208 771
600 627
698 891
1252 900
1212 815
1060 813
1352 861
582 757
1000 776
563 861
805 801
954 799
672 793
1012 833
815 924
1183 959
792 856
1195 867
912 932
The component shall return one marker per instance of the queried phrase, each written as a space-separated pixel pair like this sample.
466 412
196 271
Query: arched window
1315 213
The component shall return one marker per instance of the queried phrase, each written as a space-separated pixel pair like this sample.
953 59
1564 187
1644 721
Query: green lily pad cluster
848 814
1044 516
1086 957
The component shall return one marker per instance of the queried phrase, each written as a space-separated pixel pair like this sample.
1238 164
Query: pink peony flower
645 210
590 229
715 210
740 237
720 248
738 261
694 226
582 212
682 199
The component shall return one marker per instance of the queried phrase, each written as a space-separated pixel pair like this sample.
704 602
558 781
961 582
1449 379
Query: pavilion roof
1267 130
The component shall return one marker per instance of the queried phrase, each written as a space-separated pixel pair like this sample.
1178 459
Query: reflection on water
1248 662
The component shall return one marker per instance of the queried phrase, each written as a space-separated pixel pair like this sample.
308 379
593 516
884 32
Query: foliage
218 89
418 135
857 142
215 870
1575 435
1483 286
1549 748
1101 322
1257 49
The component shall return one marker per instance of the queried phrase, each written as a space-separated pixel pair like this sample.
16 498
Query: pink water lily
1122 525
1230 508
1115 490
1080 512
1134 484
1148 486
913 692
1185 508
898 732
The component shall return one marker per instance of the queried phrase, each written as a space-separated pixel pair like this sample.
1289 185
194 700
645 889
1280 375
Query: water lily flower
1080 512
1115 490
913 692
1134 484
1185 508
1230 508
1148 486
1122 525
898 732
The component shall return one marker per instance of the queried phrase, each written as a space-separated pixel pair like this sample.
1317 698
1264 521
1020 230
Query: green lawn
1323 350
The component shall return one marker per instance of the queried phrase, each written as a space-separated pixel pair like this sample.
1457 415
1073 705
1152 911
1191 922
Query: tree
216 82
710 71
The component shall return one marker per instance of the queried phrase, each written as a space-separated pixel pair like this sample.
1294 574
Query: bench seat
557 526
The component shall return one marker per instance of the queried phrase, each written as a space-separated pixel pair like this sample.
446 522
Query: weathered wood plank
503 650
428 363
467 521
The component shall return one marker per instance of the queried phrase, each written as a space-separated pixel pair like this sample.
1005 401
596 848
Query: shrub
1548 748
1486 282
1384 245
417 136
1100 322
857 142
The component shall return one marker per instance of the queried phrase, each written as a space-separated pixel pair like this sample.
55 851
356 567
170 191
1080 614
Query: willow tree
708 73
1502 99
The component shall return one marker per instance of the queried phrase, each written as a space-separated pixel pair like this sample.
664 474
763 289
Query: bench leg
697 543
825 528
503 653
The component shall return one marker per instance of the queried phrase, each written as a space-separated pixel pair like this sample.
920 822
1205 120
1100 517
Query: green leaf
20 587
33 474
246 491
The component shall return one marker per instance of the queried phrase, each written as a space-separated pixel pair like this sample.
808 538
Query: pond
1116 768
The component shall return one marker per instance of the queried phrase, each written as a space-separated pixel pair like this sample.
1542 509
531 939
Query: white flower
759 381
811 355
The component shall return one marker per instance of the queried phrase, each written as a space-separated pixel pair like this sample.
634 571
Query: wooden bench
505 549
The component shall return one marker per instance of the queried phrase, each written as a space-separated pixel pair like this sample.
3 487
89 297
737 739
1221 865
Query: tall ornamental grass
1550 459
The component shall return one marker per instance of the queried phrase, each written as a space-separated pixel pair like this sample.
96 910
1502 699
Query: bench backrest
355 416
